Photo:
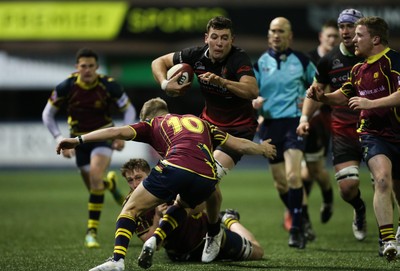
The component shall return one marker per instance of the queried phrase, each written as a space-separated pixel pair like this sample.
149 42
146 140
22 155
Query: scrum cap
349 16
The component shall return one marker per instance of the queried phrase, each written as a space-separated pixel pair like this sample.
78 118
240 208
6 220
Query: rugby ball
186 72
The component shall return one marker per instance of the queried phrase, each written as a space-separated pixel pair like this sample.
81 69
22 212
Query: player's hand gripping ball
186 72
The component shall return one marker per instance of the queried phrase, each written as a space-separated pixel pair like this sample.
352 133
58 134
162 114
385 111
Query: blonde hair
152 108
135 164
376 27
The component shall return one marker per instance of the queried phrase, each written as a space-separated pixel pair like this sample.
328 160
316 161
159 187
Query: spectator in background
283 75
88 97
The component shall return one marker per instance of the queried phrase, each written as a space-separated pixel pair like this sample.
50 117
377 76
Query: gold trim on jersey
167 163
374 58
83 85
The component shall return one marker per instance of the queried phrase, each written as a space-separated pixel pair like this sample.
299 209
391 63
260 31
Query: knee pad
221 171
350 172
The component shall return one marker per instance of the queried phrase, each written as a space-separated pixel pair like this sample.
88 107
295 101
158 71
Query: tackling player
187 168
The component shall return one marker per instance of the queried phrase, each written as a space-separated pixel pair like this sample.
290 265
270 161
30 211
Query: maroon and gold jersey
188 236
333 70
184 141
144 222
377 77
88 107
185 238
222 107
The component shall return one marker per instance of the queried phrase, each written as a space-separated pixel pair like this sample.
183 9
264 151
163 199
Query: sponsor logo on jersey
337 64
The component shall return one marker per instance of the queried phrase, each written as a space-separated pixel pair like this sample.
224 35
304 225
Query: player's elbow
125 133
48 113
258 253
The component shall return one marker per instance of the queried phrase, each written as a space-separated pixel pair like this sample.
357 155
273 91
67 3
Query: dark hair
376 26
152 108
135 164
85 52
220 22
330 23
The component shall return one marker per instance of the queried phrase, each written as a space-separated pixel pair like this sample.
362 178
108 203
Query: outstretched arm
129 112
392 100
334 98
245 146
124 132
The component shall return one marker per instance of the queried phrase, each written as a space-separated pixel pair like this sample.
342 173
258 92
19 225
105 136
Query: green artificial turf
44 213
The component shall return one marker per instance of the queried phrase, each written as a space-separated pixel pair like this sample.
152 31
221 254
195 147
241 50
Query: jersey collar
83 85
372 59
344 50
280 56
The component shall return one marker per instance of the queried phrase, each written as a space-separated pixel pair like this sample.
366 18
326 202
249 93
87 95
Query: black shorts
242 132
374 145
282 133
171 181
345 149
319 134
83 152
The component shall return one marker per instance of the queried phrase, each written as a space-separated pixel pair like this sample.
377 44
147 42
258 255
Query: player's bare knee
282 188
294 181
383 184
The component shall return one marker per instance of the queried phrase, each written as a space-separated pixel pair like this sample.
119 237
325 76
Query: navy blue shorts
374 145
282 133
84 151
166 185
232 249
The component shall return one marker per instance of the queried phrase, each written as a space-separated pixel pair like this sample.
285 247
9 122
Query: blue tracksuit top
283 78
